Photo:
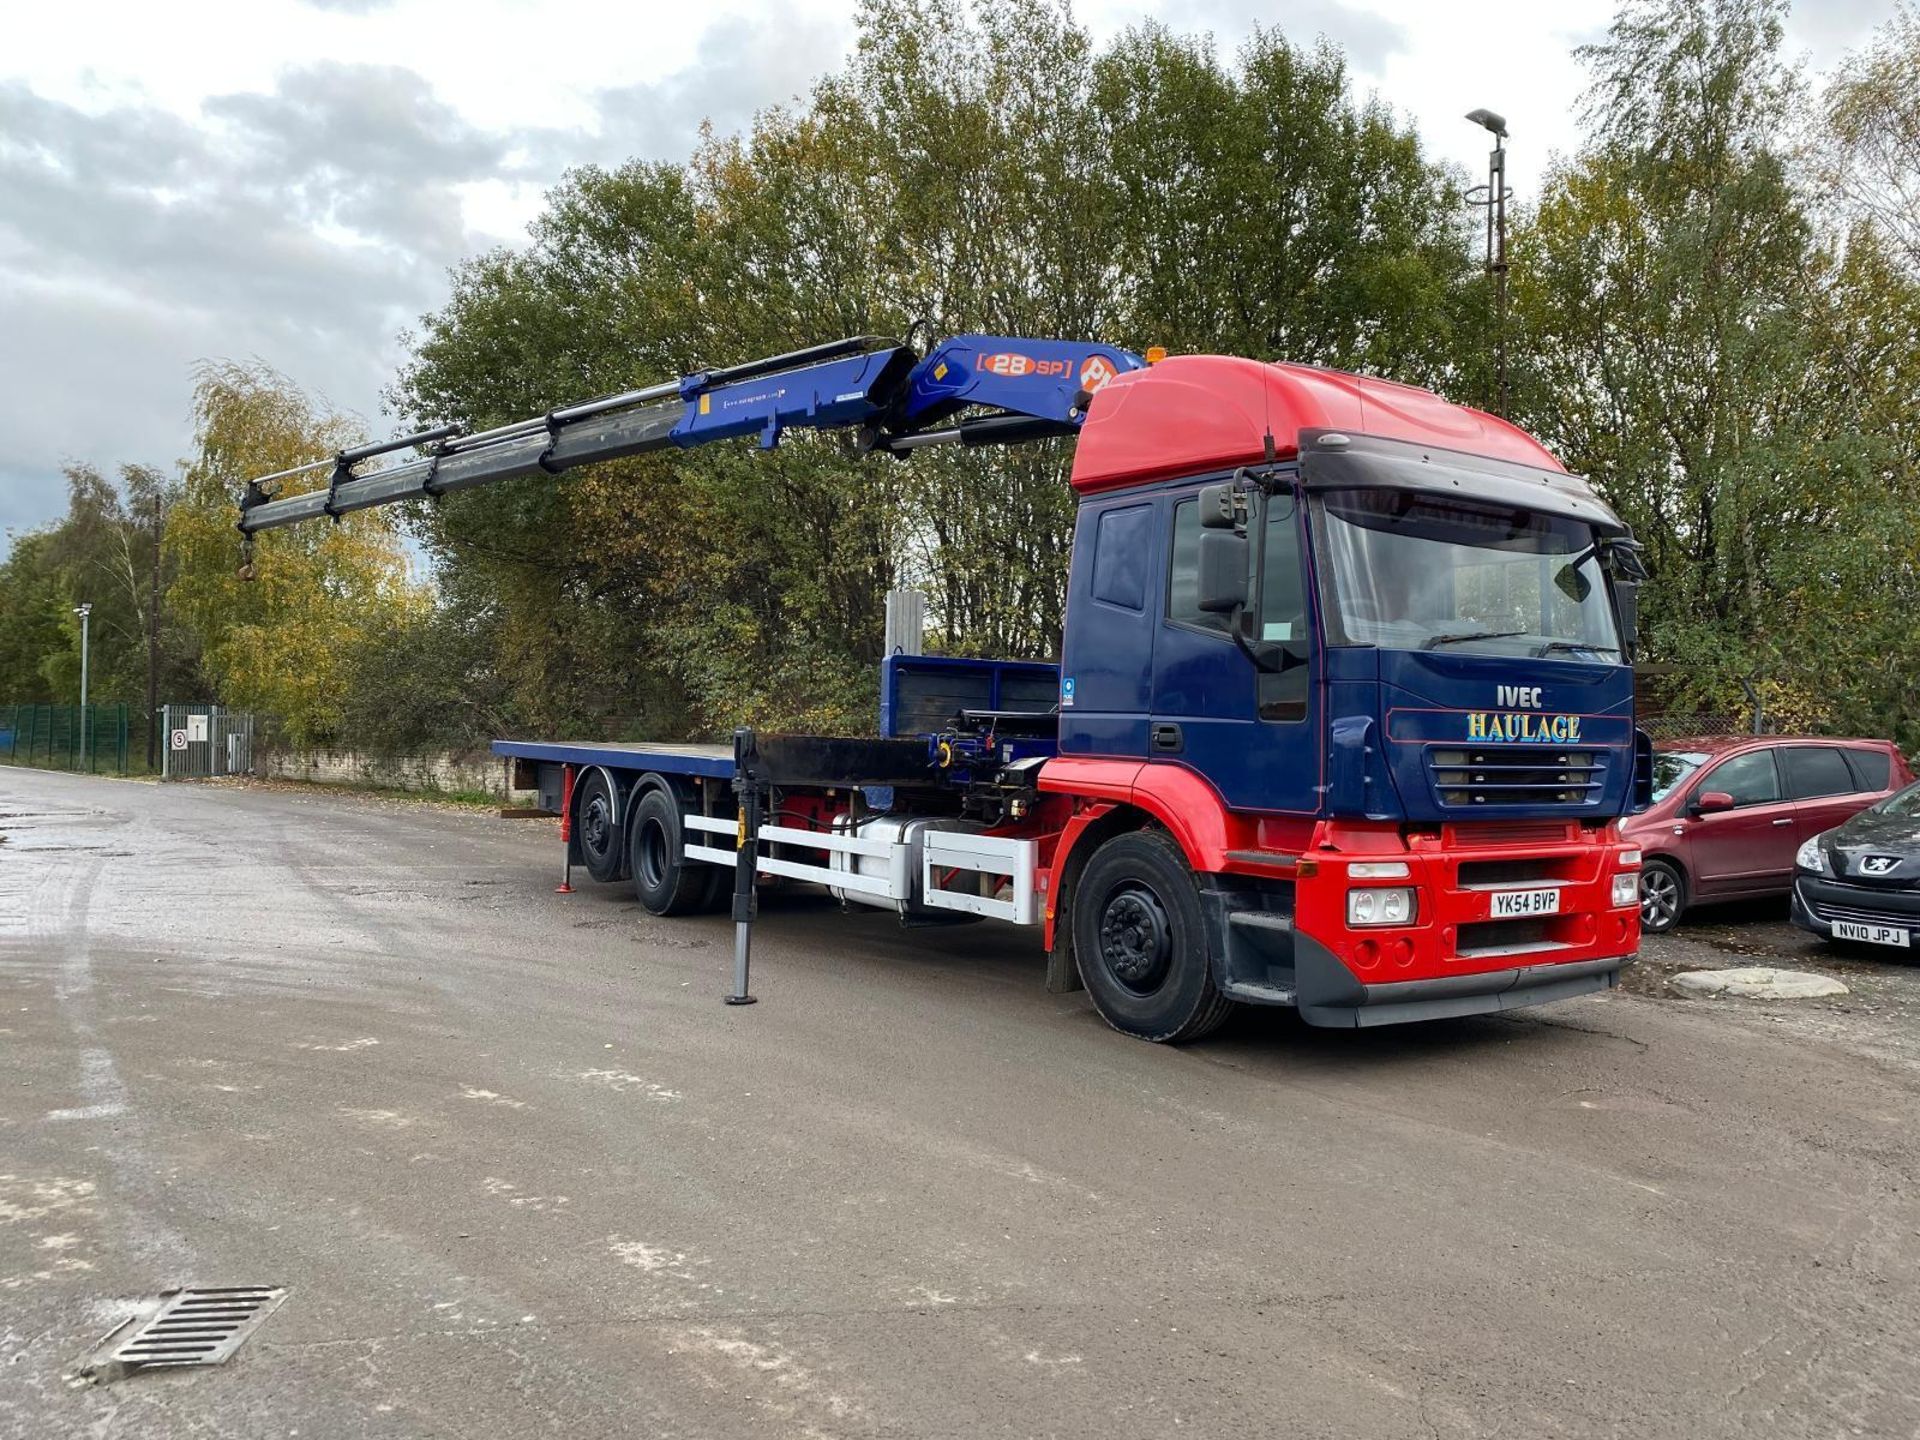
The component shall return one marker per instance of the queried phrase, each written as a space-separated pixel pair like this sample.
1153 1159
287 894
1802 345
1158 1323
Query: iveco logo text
1517 697
1878 864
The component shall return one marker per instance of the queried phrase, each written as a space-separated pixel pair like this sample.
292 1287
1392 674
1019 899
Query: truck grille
1468 776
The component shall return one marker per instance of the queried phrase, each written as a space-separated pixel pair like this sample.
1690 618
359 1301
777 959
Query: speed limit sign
179 741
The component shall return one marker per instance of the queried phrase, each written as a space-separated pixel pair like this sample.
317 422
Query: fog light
1380 907
1626 889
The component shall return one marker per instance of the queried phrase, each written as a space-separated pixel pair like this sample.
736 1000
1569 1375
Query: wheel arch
1182 801
1085 833
682 794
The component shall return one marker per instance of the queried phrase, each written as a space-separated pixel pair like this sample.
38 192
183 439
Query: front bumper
1329 995
1294 945
1819 900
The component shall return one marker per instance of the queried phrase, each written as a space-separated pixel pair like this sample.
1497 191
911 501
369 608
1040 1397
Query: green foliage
1867 150
1739 390
102 552
974 168
282 642
1723 331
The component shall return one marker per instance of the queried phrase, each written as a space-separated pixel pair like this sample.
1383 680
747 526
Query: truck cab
1363 654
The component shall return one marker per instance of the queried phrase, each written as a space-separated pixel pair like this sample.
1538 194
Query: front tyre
602 846
1140 942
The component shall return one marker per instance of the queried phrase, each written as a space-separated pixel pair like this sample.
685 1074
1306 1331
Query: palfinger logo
1095 371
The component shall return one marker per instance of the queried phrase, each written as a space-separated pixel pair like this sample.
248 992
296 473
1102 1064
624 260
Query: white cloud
291 178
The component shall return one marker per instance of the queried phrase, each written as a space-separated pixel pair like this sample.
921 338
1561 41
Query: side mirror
1219 508
1711 802
1626 594
1222 582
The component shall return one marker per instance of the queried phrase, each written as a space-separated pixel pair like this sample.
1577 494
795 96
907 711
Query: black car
1860 882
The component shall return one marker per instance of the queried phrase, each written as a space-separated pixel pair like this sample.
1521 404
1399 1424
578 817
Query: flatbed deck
712 761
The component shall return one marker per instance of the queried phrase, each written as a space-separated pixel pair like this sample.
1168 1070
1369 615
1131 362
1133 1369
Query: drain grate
191 1327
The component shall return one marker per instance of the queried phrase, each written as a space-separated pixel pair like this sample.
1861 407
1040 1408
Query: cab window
1283 616
1183 573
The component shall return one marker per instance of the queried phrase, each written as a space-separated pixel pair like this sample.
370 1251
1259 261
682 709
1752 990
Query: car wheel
1663 896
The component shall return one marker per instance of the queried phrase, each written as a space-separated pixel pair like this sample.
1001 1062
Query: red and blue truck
1342 717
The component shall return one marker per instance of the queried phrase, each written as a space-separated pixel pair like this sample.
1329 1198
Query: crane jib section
1007 389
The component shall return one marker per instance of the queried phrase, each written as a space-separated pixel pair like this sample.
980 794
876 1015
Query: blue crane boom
973 390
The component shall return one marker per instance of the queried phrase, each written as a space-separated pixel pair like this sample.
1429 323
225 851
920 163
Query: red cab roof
1193 413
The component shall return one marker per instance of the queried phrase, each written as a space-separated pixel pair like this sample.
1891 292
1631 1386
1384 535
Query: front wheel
1140 941
1663 897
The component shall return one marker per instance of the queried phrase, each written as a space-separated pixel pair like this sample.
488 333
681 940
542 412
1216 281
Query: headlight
1627 858
1808 857
1380 907
1626 889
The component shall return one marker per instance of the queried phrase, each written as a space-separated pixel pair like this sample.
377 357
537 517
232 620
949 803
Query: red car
1730 811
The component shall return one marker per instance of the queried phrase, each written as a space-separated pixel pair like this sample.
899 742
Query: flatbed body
710 762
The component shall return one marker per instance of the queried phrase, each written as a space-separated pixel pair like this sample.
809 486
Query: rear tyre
1663 896
601 845
665 881
1140 942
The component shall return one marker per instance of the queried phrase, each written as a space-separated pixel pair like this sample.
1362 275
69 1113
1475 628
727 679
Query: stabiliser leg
565 887
745 864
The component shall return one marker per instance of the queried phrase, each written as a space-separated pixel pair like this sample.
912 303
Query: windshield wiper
1436 641
1578 645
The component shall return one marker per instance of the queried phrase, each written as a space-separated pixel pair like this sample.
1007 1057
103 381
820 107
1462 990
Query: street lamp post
1495 201
83 611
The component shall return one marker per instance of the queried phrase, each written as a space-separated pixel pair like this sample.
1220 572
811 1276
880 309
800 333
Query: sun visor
1333 460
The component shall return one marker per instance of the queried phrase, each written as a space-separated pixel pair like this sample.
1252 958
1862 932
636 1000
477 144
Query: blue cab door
1254 733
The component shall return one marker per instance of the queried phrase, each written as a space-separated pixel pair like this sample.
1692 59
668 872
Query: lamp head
1487 120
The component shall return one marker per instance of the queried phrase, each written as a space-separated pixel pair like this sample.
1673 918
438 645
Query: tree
33 600
1867 151
973 168
102 552
1726 378
282 642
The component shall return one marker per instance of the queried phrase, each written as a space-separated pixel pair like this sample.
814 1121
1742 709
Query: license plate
1872 934
1513 904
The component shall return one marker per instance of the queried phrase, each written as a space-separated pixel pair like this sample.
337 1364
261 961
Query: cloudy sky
291 179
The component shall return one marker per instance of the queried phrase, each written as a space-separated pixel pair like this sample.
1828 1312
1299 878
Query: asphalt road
525 1174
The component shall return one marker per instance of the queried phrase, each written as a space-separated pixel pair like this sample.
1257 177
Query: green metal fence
92 738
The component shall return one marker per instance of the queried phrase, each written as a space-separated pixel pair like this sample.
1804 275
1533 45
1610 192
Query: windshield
1670 768
1412 572
1901 802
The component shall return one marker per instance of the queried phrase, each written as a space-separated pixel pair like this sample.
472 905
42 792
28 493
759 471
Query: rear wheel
1140 942
601 844
1663 896
665 881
